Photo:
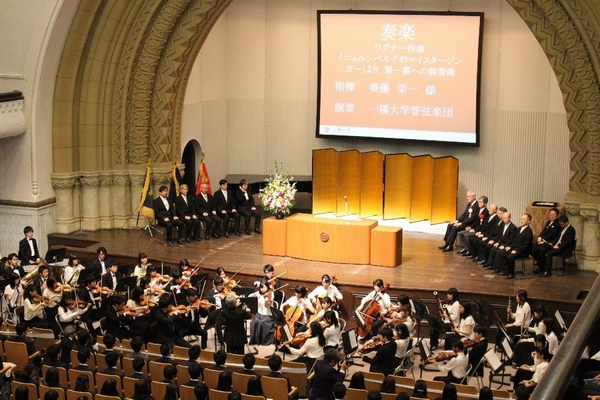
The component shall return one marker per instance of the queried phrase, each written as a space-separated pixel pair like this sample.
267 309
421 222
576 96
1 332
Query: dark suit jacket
107 280
522 242
235 332
480 219
97 266
160 211
84 368
506 237
551 231
9 271
220 202
325 377
384 359
240 199
191 382
111 371
25 251
114 322
567 243
489 225
468 217
184 209
166 327
203 206
476 354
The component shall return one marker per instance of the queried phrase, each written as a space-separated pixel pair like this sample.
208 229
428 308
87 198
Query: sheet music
507 349
492 360
560 320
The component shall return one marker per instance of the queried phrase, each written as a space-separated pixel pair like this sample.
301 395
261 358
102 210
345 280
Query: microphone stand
347 220
80 232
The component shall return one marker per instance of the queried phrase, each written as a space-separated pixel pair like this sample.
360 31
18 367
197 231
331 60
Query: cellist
378 294
299 301
328 288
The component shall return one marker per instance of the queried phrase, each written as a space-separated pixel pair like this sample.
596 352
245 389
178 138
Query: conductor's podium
333 240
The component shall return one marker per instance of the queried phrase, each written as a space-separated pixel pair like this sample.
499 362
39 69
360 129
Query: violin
58 287
370 312
371 345
106 291
204 303
445 355
181 309
67 288
273 280
127 311
298 340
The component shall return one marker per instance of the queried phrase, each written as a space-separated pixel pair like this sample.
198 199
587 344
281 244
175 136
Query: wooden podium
274 236
325 239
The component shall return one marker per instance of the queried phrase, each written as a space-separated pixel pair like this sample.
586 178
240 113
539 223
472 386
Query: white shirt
453 312
66 315
332 335
469 321
522 315
292 302
383 300
165 202
56 297
12 296
401 347
540 370
30 241
552 343
311 348
457 365
262 306
332 292
69 271
30 314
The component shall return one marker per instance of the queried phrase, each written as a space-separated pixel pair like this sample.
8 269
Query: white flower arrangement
278 194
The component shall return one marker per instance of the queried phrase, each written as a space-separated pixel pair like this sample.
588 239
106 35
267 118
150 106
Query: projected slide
399 76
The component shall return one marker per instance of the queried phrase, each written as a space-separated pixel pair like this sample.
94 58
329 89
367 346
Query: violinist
233 316
111 277
141 270
402 342
185 269
262 326
116 321
464 328
456 367
384 358
70 314
478 349
165 325
175 283
34 309
216 295
72 271
40 281
273 281
227 281
139 310
324 305
328 289
157 281
52 295
298 301
188 325
91 294
450 316
312 348
332 330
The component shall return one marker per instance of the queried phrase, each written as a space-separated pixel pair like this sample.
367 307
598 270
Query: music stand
423 352
56 255
197 280
84 273
243 291
124 269
164 270
126 284
349 342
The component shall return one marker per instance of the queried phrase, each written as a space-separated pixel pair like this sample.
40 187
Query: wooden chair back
159 389
214 394
183 373
102 397
211 378
404 384
250 397
500 394
101 361
206 357
44 339
74 395
182 352
16 353
156 370
240 381
45 389
33 390
276 388
373 380
128 366
356 394
101 378
129 386
388 396
186 392
62 375
153 348
73 374
296 372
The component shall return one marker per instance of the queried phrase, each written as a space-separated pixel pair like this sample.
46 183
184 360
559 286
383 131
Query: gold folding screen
421 188
445 184
371 184
348 182
398 183
325 172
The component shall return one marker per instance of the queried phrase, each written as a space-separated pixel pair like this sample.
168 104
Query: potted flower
278 193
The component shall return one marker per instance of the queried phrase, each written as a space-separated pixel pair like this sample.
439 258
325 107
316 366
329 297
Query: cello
369 313
293 315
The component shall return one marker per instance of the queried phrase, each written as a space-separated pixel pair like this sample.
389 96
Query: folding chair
407 363
62 375
73 374
211 378
159 389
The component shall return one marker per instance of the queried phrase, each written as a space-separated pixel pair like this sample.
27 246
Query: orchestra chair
186 392
101 361
373 380
214 394
406 364
465 379
62 375
101 378
73 374
73 395
522 263
501 394
466 390
16 353
126 344
156 370
355 394
206 357
276 388
45 389
434 388
211 378
33 390
91 361
159 389
102 397
183 373
153 348
250 397
404 383
561 263
129 386
240 381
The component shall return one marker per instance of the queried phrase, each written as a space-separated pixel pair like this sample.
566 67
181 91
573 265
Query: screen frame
478 14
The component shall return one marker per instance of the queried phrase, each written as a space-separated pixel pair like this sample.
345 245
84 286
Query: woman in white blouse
464 328
141 270
522 315
450 316
301 301
312 348
262 326
333 330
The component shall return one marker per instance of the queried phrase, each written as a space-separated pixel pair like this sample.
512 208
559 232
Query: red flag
203 177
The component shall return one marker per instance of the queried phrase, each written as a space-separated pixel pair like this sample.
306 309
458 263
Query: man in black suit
518 247
233 316
186 211
477 225
39 282
112 276
165 216
101 263
485 241
225 207
505 235
189 323
206 212
111 365
478 349
195 372
83 356
564 246
548 236
246 207
28 249
249 360
467 218
384 358
166 332
482 229
14 267
115 322
20 337
326 375
138 365
53 357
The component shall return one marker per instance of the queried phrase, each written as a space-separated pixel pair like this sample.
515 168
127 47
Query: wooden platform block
275 236
386 246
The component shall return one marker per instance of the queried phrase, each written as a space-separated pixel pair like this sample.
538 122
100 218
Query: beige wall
258 68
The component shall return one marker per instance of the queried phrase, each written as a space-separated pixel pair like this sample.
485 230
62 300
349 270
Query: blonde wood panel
421 189
386 246
348 182
398 186
346 244
274 236
324 180
445 185
371 184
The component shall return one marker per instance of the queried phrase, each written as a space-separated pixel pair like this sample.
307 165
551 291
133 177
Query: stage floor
423 268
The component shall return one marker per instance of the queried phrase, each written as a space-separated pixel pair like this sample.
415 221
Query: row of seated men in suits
214 211
489 237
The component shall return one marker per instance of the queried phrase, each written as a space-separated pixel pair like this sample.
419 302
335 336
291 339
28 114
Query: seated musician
403 342
157 283
69 313
176 285
139 302
324 304
402 314
384 358
521 316
185 269
299 301
450 316
52 295
525 345
116 321
542 356
332 329
13 292
312 347
233 316
274 282
328 289
262 326
165 325
141 270
72 271
464 328
34 309
376 295
40 281
527 368
188 325
456 367
478 349
13 267
227 281
111 277
216 295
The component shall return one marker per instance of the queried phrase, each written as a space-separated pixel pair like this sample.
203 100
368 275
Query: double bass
370 312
